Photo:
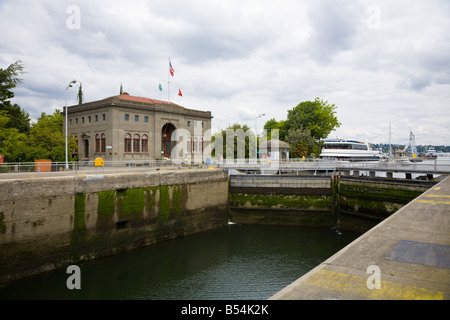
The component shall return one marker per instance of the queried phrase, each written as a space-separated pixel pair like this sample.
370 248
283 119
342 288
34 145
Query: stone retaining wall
47 223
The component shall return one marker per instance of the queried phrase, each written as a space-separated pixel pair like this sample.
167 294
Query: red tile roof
141 99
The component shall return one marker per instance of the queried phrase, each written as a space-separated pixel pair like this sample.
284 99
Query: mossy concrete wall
351 203
282 200
363 202
47 223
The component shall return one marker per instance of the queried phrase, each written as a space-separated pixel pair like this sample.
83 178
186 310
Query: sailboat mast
390 147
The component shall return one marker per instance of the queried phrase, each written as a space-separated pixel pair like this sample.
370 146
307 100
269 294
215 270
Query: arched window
144 143
195 147
103 143
189 145
97 143
200 146
127 143
136 143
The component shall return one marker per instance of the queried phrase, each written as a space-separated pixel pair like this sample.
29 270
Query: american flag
172 72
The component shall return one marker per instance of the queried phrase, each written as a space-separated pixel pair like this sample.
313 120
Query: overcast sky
379 62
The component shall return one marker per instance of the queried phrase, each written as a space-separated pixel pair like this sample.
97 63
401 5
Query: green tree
9 78
243 142
47 140
19 118
317 116
272 124
80 96
4 119
302 143
13 143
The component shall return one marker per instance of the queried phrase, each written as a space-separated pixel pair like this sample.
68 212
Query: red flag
179 93
171 70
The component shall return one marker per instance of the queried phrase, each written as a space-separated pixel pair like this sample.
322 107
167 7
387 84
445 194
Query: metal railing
89 166
441 165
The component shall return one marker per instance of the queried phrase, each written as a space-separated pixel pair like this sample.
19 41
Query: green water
230 263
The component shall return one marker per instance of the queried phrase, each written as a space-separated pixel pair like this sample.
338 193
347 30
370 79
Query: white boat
405 161
349 150
431 154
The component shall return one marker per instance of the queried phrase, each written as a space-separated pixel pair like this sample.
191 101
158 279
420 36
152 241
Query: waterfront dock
405 257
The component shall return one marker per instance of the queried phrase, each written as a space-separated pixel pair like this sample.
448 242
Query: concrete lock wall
282 200
364 202
46 223
52 222
351 203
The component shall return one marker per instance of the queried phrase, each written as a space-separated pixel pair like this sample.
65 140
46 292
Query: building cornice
155 105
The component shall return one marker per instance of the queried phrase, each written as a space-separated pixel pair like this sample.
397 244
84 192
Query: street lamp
256 134
66 124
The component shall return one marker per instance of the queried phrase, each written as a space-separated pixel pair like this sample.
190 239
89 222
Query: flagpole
168 83
170 73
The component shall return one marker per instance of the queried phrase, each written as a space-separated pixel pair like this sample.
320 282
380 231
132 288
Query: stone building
130 128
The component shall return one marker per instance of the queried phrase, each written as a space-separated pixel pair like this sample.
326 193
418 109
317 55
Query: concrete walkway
405 257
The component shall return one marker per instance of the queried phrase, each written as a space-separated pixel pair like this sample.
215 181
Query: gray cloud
334 25
242 58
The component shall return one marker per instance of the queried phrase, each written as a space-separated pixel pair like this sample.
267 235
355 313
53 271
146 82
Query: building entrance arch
166 140
85 137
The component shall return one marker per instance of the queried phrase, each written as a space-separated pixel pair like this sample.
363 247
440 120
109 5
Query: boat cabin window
347 146
360 146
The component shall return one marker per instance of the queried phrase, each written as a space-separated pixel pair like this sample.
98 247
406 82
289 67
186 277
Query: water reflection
233 262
